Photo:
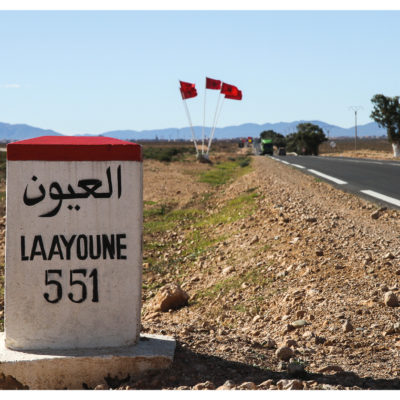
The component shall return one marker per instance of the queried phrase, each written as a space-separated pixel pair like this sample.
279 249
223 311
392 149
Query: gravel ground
327 263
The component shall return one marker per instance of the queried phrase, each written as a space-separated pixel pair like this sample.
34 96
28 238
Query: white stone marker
73 246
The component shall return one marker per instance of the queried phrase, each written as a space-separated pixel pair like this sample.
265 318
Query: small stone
388 256
101 387
339 266
269 343
294 385
375 215
319 340
282 366
284 353
347 326
300 314
296 369
254 240
247 386
299 323
391 300
256 318
384 288
290 343
311 219
170 297
330 368
204 386
228 385
266 384
282 383
227 270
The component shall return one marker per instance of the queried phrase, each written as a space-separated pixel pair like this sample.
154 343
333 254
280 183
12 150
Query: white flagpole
191 126
212 126
216 118
204 118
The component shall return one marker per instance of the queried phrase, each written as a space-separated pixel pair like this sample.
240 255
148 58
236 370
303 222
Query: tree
278 139
306 140
386 113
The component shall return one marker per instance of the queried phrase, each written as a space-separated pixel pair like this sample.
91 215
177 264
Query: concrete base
73 369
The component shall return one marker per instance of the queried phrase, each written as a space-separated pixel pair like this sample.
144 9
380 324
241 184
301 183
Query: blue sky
95 71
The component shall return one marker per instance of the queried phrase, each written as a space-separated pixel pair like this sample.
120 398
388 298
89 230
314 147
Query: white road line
352 160
277 159
330 178
388 199
297 166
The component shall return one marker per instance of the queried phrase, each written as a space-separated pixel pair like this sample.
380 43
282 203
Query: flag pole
216 118
191 126
204 119
212 126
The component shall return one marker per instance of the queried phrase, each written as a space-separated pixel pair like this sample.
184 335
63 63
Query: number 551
74 274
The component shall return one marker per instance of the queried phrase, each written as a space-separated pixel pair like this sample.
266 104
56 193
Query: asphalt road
377 181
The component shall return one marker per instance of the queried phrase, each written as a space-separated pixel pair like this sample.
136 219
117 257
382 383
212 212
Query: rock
299 323
319 340
227 270
311 219
282 383
228 385
388 256
319 253
204 386
300 314
170 297
329 368
183 388
282 366
101 387
294 385
247 386
290 343
284 353
391 300
285 384
375 215
296 369
269 343
254 240
347 326
266 384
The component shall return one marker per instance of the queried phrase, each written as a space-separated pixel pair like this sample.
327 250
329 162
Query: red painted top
74 148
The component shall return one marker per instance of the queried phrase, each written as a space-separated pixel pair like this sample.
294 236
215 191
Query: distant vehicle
267 147
281 151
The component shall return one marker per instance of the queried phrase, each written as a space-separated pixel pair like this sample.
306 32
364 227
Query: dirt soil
318 255
372 154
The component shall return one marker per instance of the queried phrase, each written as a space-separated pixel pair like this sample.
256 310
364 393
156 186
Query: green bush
166 154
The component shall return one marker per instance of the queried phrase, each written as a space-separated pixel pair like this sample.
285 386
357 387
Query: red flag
186 85
229 90
237 96
188 90
213 84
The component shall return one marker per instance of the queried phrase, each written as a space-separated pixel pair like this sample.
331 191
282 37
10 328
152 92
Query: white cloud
11 86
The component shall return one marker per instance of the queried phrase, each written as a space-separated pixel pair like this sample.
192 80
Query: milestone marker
73 256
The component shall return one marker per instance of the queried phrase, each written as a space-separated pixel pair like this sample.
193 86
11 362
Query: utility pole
355 109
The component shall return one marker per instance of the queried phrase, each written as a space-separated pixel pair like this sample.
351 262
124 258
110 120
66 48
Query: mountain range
10 132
